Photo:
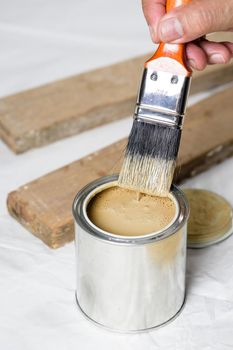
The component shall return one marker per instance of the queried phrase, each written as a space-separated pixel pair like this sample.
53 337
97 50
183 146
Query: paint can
129 283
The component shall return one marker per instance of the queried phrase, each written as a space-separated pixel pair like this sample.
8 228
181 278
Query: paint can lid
210 220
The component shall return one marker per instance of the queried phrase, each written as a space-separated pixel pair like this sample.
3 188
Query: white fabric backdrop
46 40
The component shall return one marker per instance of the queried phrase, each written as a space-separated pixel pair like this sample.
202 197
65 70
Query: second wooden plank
43 115
43 206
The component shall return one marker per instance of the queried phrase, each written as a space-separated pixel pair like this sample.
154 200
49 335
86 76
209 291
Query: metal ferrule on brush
162 98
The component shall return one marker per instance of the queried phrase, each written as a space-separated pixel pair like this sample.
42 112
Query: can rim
80 217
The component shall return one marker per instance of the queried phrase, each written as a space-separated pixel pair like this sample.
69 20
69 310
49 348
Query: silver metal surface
162 97
143 113
130 331
129 283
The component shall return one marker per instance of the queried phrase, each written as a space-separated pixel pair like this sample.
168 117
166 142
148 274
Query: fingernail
170 29
216 58
192 63
152 32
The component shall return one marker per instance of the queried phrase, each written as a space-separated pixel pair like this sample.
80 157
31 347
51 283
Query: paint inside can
125 212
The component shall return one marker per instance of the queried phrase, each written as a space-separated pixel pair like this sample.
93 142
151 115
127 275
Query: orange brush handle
174 51
170 4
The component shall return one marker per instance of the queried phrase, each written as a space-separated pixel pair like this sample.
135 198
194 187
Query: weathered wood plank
51 112
43 206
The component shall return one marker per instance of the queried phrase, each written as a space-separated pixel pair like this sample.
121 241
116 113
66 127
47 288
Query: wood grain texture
46 114
43 115
43 206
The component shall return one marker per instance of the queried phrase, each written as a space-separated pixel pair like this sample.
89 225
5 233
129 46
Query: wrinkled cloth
46 40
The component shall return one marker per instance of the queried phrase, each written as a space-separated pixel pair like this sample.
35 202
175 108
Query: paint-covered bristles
150 158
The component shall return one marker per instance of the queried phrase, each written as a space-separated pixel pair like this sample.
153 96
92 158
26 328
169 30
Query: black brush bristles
150 158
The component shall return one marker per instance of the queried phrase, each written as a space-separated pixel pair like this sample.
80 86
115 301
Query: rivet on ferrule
174 79
154 76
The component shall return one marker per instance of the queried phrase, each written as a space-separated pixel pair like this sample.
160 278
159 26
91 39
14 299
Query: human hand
189 22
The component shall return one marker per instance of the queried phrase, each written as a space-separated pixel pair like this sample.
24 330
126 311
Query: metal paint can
129 283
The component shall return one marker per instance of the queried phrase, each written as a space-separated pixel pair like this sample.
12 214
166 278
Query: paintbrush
153 143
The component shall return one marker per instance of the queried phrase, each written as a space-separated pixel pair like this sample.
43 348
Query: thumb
191 21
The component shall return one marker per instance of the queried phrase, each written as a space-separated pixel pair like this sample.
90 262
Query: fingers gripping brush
154 140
